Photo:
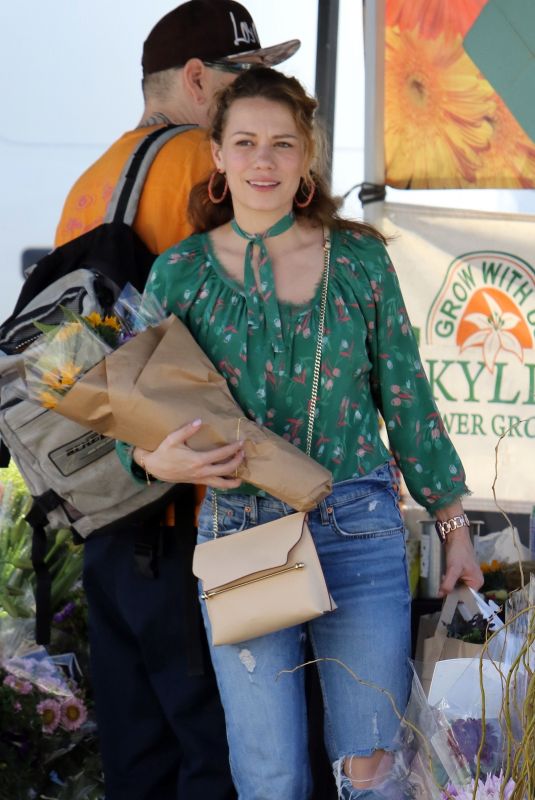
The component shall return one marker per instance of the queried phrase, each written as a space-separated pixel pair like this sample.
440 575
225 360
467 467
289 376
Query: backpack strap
5 456
125 199
37 519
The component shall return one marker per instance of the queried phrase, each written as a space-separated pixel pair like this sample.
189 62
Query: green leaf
44 328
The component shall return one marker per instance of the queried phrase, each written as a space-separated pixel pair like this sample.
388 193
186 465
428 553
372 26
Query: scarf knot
261 299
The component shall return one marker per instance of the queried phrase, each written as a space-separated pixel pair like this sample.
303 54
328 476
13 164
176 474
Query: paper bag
161 380
435 645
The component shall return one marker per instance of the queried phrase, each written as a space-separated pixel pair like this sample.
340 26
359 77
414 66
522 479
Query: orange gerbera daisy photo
437 112
431 18
509 163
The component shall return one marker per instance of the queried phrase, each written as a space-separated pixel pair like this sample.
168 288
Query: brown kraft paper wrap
433 643
161 380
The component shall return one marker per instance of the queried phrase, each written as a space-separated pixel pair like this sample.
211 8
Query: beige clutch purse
261 580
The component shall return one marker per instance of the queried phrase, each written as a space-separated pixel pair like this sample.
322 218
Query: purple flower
18 684
468 734
490 789
50 713
73 713
65 612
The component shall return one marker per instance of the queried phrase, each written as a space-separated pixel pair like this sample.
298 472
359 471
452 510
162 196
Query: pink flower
490 789
73 714
50 713
18 684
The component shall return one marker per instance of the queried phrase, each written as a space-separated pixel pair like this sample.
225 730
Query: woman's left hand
461 563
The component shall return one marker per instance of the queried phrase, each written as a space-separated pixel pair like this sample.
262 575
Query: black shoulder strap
125 199
37 519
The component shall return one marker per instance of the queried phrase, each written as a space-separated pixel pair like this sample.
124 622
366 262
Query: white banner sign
468 279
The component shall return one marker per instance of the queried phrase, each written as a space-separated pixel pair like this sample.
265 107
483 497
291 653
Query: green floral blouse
370 362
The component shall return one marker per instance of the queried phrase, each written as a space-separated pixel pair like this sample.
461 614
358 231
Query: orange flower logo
493 322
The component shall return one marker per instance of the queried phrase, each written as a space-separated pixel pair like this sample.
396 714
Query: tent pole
326 52
374 61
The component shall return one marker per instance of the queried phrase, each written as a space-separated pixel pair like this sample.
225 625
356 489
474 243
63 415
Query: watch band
449 525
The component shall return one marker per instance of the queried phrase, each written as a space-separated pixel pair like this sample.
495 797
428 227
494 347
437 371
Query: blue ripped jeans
358 532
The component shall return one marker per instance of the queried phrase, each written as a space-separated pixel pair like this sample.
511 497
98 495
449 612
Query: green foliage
59 764
16 572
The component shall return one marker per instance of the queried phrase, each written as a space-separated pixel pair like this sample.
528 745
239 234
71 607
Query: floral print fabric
370 363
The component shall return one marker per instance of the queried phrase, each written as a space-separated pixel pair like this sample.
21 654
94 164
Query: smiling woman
263 158
273 271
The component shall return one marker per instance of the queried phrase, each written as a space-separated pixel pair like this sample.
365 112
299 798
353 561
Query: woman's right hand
174 461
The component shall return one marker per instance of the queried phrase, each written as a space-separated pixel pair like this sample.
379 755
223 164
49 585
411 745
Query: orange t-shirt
161 218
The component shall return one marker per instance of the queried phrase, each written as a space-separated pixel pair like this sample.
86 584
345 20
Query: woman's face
262 154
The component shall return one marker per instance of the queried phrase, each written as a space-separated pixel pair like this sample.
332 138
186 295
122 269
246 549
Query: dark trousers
160 722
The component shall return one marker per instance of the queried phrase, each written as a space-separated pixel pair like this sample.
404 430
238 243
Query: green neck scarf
262 301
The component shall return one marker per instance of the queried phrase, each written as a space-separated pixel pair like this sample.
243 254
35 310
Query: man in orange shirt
160 723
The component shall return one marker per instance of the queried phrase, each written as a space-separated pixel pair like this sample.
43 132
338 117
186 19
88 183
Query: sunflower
510 160
68 330
48 399
437 111
113 323
430 18
69 373
94 319
51 378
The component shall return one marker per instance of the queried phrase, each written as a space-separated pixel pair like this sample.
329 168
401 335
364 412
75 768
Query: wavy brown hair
272 85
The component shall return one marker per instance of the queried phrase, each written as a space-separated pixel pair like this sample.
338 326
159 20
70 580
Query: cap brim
267 56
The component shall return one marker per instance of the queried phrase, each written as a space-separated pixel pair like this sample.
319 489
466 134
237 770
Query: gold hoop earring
211 195
311 192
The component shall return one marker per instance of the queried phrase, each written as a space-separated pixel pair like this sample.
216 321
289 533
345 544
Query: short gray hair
158 85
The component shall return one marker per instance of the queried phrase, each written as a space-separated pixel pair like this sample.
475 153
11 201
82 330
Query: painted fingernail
196 423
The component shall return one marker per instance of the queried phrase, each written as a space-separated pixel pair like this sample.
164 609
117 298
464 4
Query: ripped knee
363 772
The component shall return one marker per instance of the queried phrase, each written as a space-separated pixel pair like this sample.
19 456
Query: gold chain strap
315 374
319 346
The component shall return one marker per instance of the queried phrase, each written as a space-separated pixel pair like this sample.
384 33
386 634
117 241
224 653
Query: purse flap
227 558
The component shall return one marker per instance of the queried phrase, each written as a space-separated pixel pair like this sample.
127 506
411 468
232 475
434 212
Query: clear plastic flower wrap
471 734
60 357
66 352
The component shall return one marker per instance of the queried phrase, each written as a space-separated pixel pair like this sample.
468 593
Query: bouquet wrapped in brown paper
161 380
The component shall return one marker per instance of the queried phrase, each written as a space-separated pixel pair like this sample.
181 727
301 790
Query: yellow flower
48 399
68 330
494 566
94 319
69 373
52 379
112 322
437 111
510 161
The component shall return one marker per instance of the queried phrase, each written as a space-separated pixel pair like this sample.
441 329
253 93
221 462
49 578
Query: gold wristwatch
449 525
